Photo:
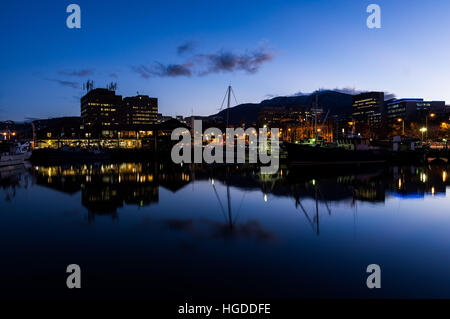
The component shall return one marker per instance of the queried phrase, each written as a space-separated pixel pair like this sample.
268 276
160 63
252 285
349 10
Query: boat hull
310 155
10 160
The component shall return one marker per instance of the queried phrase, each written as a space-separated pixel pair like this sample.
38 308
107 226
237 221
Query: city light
423 177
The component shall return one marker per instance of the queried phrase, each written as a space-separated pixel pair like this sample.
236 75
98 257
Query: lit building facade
367 108
141 110
101 108
412 109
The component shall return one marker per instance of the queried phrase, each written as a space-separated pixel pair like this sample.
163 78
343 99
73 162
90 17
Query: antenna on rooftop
112 86
88 86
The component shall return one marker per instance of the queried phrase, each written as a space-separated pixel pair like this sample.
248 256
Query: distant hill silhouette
338 103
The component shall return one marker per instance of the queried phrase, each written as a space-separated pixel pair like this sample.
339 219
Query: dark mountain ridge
338 103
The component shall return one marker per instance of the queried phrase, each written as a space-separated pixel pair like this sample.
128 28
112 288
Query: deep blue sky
303 45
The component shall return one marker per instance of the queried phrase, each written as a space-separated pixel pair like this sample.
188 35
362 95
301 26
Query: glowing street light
423 130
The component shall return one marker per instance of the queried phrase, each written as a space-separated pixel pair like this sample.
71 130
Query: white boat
15 156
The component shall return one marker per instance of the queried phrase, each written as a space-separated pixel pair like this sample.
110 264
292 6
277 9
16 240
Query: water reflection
106 187
307 232
14 177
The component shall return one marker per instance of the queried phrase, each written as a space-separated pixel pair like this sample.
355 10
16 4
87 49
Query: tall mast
230 220
315 117
228 104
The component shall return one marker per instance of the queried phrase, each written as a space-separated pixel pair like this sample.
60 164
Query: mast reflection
106 187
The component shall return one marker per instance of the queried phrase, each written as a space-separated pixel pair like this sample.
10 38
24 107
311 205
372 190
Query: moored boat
299 154
11 154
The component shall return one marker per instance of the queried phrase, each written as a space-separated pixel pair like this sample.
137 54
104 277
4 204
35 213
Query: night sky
187 52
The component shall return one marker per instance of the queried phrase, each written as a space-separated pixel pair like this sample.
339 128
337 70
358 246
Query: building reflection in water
106 187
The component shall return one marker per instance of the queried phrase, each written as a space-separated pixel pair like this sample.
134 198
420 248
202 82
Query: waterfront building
101 108
412 109
367 110
71 132
140 110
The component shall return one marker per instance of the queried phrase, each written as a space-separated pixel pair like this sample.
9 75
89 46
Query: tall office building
412 109
101 108
368 109
141 109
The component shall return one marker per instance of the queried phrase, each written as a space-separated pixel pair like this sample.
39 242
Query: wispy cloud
348 90
204 64
161 70
226 61
74 85
388 96
113 75
251 228
353 91
186 47
217 229
77 73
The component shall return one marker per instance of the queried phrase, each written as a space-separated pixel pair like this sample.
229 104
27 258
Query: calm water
155 230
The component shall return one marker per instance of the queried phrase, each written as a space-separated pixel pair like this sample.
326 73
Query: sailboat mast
315 117
228 104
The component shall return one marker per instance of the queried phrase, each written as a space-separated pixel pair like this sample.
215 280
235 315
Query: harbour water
155 230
